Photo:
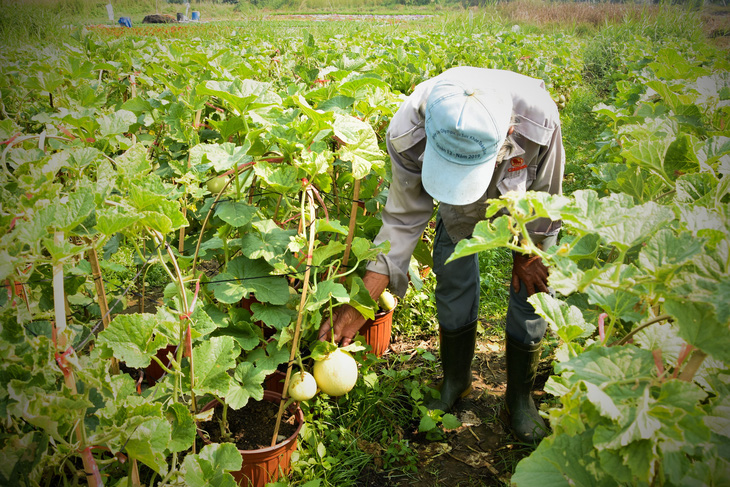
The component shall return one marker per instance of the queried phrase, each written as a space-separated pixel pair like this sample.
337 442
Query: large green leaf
615 218
213 359
701 327
606 366
116 123
275 316
267 241
567 321
619 303
281 178
227 288
55 413
325 291
133 163
183 427
665 252
221 157
246 385
110 221
67 212
681 157
247 335
158 212
695 188
236 213
134 338
270 358
211 466
561 461
718 420
360 144
255 276
148 443
360 298
21 455
324 253
487 235
242 95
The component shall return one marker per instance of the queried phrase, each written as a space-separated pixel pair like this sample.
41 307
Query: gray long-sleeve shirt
535 163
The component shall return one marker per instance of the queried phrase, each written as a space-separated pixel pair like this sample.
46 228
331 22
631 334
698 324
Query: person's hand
531 271
346 320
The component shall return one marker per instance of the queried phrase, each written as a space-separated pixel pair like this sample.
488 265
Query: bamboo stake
135 474
59 331
298 326
103 304
133 83
58 295
353 222
693 365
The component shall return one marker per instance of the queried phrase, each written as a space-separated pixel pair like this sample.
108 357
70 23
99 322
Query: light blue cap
465 129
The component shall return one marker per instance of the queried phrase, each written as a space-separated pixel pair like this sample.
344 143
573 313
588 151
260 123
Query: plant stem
609 330
162 366
636 330
224 421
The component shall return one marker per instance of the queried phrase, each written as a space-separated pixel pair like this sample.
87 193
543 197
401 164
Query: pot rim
380 314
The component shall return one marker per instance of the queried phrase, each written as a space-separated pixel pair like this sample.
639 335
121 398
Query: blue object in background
125 21
195 16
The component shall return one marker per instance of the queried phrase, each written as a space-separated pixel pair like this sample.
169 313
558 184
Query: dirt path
482 452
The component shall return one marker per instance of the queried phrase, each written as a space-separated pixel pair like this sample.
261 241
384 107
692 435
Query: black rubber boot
522 360
457 352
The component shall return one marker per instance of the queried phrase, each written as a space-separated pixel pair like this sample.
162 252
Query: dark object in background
158 19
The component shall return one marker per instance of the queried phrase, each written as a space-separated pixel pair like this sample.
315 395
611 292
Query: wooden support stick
353 222
59 332
101 293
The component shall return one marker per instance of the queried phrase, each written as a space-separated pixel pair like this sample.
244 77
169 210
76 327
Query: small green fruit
302 386
386 301
216 184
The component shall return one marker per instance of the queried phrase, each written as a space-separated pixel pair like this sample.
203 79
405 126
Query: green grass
580 133
343 435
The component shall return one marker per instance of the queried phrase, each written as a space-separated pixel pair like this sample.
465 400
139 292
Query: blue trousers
458 288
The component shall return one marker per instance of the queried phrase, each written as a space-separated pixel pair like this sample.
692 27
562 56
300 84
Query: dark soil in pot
252 426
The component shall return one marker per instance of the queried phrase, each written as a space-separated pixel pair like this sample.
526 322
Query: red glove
531 271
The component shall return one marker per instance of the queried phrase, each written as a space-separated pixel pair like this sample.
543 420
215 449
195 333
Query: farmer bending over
461 138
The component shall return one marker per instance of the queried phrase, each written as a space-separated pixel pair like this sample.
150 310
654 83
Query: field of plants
182 206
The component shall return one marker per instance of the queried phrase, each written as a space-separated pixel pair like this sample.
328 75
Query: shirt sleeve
551 166
405 215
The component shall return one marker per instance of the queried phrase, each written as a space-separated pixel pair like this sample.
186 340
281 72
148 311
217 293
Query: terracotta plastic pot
154 372
275 382
377 331
266 465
